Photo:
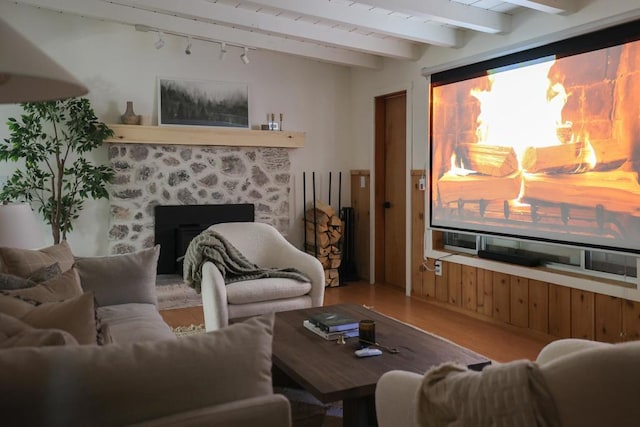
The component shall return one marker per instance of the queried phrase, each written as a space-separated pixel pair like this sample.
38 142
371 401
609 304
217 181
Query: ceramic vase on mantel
129 117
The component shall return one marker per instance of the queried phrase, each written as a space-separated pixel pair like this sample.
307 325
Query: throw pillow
120 279
89 383
25 262
15 333
65 286
11 281
46 273
75 315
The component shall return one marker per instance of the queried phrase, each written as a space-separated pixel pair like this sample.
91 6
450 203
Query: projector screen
542 144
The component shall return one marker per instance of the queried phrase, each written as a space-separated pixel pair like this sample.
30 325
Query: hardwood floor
497 342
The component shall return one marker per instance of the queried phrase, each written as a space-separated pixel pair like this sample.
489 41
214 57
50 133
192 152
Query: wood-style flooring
498 342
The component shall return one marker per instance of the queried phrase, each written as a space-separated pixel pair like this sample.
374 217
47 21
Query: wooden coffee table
331 372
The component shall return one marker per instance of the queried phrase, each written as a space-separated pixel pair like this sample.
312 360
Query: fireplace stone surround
148 175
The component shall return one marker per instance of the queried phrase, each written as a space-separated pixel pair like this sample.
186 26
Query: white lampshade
28 75
19 227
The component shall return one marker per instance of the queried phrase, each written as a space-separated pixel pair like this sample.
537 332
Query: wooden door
390 200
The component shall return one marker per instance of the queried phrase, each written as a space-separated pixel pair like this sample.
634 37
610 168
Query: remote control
366 352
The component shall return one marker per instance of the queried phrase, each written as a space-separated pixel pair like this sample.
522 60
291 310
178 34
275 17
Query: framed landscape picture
202 103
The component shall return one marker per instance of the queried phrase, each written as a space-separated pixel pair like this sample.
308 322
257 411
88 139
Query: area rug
177 295
306 410
185 331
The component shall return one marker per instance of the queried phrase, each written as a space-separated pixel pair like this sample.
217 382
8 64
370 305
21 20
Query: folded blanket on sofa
510 394
234 267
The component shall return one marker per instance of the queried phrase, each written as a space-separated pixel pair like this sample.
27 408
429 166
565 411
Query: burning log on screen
493 160
616 191
564 158
453 188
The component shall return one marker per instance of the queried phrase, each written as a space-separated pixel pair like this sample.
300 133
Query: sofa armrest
214 297
396 399
271 410
563 347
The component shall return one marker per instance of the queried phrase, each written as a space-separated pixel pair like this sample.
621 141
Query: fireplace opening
176 226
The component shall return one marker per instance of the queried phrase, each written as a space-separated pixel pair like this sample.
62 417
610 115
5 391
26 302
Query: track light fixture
160 42
245 56
223 51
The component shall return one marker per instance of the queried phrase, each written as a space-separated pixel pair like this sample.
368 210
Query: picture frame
183 102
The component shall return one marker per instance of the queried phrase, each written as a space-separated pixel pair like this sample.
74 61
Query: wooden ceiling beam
451 13
206 31
390 25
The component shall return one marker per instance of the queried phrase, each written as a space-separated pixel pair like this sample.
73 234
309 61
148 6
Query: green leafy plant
52 138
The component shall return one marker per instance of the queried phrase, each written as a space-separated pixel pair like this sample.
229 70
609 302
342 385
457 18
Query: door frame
376 157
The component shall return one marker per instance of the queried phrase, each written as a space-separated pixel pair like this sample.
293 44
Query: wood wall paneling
442 285
469 287
417 236
501 296
608 318
360 198
559 311
582 314
429 279
519 305
455 284
630 320
484 302
539 306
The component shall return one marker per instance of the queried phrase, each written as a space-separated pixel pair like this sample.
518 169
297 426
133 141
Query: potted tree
52 139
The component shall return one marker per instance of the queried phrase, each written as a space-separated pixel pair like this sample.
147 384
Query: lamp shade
19 227
28 75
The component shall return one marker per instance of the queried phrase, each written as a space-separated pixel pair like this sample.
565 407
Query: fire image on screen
548 149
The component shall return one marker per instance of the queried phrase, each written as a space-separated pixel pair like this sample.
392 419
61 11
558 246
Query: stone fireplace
149 175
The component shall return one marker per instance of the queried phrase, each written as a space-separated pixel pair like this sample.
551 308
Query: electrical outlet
438 267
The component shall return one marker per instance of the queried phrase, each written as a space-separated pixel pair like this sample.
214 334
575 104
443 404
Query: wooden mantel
202 135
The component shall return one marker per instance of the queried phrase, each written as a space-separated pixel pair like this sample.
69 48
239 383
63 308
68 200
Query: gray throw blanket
211 246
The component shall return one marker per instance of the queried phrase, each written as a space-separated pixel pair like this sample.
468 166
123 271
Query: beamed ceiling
338 31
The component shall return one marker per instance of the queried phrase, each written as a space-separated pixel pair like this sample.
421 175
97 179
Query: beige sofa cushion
15 333
65 286
596 387
134 323
124 384
25 262
76 315
119 279
248 291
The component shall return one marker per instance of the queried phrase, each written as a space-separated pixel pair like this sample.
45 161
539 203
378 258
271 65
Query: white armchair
263 245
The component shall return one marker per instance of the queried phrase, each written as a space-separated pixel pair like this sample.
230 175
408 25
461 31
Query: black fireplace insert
176 226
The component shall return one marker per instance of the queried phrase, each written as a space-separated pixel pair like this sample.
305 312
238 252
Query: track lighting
245 57
188 49
223 51
160 42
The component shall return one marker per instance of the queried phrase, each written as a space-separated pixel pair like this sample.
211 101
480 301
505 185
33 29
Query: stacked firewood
324 234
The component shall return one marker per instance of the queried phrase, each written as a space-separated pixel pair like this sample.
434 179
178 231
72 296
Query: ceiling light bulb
245 56
160 42
188 49
223 51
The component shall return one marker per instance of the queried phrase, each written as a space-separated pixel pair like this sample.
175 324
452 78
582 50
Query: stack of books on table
332 325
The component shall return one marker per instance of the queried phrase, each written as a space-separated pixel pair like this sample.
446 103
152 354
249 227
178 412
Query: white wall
119 64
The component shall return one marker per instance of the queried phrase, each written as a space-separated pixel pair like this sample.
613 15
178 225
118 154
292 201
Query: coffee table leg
359 412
